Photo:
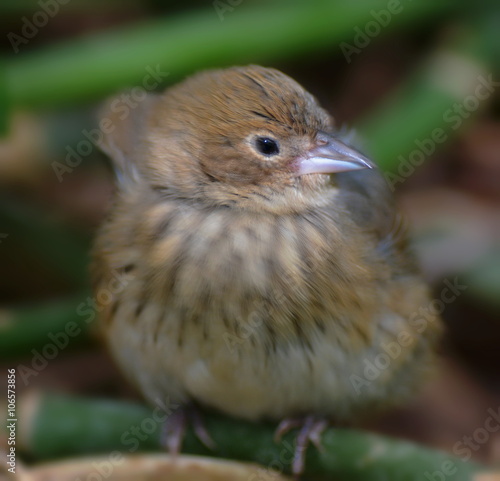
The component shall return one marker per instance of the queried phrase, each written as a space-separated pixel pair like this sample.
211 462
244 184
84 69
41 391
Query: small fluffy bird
264 270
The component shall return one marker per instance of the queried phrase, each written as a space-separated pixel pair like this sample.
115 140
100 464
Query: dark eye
267 146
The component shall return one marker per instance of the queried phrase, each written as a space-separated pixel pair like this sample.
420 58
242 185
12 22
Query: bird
265 271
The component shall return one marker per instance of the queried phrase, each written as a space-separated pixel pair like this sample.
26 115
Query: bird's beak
330 155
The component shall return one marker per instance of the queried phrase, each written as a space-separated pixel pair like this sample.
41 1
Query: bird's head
247 137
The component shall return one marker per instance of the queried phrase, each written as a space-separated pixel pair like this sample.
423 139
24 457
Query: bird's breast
289 274
235 309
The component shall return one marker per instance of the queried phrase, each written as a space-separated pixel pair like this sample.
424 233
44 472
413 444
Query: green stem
60 248
434 103
27 330
93 66
483 279
63 426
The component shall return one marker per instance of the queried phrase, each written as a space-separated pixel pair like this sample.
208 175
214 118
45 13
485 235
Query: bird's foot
310 430
175 429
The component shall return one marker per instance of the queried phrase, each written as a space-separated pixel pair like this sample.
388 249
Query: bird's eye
267 146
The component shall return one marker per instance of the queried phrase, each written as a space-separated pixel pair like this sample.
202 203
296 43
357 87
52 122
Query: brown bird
266 271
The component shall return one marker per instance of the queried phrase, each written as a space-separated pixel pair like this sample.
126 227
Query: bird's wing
366 197
122 123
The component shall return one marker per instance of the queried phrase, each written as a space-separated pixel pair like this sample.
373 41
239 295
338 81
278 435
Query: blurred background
419 81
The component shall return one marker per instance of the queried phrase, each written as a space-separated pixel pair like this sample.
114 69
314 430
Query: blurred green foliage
69 74
108 426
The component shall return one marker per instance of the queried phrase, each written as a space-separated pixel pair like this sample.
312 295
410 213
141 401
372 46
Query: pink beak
331 156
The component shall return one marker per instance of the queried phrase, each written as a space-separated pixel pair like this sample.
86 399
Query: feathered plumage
260 283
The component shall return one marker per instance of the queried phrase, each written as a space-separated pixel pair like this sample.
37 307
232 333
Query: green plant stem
4 101
440 95
93 66
63 426
62 249
27 329
484 279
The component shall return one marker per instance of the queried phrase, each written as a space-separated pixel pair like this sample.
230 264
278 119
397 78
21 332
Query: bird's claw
310 430
176 425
